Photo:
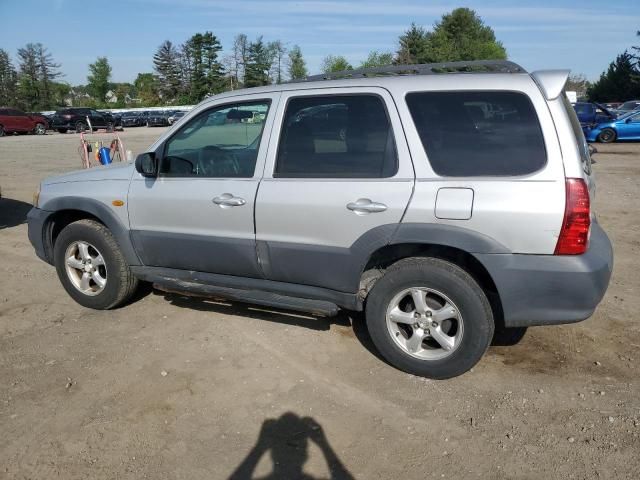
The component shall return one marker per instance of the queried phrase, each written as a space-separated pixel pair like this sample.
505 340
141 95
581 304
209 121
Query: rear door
338 176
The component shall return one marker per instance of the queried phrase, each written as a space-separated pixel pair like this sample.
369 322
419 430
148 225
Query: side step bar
317 307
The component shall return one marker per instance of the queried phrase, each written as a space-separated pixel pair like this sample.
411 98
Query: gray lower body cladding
549 289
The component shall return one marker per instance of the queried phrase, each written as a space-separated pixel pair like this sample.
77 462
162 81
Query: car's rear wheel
91 267
109 126
40 129
80 127
62 130
2 132
430 318
607 135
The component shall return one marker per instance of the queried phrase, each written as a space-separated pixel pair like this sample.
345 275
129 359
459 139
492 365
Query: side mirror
147 164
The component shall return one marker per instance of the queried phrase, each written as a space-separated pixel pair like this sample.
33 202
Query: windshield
632 105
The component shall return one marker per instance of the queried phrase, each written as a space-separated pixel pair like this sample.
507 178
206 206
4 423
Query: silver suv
445 201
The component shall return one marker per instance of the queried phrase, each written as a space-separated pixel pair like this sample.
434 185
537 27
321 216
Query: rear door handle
228 200
364 206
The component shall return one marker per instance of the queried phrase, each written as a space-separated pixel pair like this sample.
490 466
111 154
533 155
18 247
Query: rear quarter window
478 133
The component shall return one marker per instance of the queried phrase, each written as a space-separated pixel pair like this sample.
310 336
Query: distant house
111 97
74 96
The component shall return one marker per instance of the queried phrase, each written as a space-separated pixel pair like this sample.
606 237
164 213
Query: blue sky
583 35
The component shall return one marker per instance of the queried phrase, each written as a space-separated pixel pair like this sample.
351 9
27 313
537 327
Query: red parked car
15 121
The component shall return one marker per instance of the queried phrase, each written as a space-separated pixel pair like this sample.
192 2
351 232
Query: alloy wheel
425 323
86 268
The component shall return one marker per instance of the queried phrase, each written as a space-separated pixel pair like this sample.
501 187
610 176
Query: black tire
607 135
110 127
456 284
62 130
80 127
120 284
2 132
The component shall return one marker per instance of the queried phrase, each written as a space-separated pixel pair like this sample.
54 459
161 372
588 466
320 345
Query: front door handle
364 206
228 200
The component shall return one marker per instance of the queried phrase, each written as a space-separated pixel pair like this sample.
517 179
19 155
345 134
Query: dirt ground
171 387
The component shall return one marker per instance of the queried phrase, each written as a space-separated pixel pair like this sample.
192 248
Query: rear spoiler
551 82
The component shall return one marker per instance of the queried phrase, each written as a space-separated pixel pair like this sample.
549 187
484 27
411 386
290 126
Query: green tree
48 71
98 78
413 45
256 69
617 83
146 85
277 52
202 69
166 63
377 59
297 65
462 35
8 80
28 77
337 63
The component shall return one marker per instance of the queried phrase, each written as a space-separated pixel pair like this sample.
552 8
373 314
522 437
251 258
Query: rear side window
478 133
583 146
337 136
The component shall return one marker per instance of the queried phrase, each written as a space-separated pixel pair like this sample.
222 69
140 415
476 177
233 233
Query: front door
630 129
198 214
337 181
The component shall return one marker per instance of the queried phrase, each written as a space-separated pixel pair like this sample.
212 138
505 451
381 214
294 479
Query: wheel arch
65 210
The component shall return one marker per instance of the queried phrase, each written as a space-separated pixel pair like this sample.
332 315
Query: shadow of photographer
287 439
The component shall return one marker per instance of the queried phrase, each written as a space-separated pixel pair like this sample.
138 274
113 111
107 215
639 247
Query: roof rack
476 66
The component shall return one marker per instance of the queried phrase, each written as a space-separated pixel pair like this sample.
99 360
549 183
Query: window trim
484 176
275 175
218 106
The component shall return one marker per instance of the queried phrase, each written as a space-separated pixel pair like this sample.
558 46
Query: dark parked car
158 119
16 121
175 116
76 119
591 114
132 119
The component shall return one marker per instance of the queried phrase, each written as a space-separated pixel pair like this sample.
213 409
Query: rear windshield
583 147
478 133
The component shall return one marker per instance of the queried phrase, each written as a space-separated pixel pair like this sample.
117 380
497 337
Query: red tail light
68 117
574 234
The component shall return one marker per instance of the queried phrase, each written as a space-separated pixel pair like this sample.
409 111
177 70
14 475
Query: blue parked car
591 114
626 127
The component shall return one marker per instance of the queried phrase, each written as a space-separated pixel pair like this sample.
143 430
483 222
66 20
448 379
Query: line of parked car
602 124
14 121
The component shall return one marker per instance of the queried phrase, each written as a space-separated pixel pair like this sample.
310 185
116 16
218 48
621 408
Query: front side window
478 133
219 143
336 136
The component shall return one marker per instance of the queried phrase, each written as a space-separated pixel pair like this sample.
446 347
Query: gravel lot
171 387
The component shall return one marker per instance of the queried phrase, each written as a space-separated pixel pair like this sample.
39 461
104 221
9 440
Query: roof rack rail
475 66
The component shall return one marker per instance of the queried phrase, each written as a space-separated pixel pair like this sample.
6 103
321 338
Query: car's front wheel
607 135
80 127
40 129
2 132
91 267
429 317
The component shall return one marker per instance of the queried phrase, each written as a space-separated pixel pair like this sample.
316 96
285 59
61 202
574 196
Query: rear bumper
36 219
548 289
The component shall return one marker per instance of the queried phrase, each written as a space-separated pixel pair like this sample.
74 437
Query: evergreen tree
256 70
462 35
166 62
413 44
203 69
8 80
98 78
617 83
297 65
28 77
48 72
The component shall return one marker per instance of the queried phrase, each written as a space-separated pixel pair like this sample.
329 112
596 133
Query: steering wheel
217 162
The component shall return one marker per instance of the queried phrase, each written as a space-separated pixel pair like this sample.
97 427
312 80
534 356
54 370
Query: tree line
188 72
